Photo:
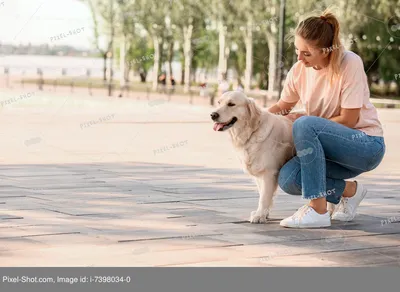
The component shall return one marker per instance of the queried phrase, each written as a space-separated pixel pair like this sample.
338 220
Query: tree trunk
111 75
170 57
187 34
126 74
261 80
122 63
105 67
273 52
227 52
369 78
162 57
386 88
156 61
111 48
222 61
143 76
194 76
183 75
248 40
128 67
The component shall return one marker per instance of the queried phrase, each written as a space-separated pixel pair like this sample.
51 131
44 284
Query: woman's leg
319 141
290 179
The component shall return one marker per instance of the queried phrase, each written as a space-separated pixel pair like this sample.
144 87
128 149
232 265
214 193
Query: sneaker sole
307 227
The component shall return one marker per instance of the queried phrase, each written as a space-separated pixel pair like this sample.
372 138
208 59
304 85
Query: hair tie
323 17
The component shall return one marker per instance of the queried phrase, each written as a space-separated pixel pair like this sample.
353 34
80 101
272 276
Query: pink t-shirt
320 98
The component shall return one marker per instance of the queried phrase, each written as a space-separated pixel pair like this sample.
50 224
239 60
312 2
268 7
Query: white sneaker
306 217
346 210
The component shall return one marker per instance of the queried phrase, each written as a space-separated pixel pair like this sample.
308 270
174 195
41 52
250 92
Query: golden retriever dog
263 141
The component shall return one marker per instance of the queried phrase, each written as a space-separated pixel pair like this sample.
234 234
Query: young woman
340 137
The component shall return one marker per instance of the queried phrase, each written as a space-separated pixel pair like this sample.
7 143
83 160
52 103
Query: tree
239 34
270 28
187 16
104 9
125 29
248 19
140 56
224 19
152 16
205 48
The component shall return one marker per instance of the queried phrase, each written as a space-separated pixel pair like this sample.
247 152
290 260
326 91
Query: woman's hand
294 116
282 108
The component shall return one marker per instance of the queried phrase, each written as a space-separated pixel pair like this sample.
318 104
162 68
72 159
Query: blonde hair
323 33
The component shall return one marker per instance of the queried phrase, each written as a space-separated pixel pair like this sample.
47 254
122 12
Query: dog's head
235 110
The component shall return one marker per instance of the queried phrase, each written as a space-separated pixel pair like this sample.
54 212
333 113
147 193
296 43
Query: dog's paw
258 217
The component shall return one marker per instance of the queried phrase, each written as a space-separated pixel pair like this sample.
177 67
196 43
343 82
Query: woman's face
308 54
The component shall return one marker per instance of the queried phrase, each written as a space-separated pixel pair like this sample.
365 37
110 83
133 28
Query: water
52 66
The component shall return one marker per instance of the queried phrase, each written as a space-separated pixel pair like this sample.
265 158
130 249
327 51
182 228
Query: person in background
163 81
204 89
173 83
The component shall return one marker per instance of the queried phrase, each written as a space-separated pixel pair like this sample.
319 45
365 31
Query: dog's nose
214 116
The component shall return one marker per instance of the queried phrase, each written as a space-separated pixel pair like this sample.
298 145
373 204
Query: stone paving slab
101 196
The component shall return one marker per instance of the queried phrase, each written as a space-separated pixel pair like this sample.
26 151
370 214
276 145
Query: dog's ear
255 113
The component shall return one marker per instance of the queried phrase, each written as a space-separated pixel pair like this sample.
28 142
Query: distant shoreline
50 55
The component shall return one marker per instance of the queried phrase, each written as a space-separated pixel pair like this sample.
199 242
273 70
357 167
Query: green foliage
205 49
140 54
364 21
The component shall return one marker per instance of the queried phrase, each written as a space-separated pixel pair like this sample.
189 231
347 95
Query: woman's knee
304 123
288 178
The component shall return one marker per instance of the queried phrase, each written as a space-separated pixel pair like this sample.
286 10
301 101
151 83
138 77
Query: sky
55 22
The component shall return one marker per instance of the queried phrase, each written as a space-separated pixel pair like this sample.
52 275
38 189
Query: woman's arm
354 88
347 117
289 93
282 108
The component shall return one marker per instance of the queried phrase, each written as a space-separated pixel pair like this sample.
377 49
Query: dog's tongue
218 126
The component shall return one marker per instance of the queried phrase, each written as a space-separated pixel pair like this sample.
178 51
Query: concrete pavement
96 181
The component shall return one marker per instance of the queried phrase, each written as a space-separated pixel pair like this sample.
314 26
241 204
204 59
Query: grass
99 83
377 97
94 82
383 105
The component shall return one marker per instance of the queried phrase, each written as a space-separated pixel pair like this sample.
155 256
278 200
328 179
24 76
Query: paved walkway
120 182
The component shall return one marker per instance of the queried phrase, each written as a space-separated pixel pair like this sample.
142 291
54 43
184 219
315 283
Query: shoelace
343 208
301 212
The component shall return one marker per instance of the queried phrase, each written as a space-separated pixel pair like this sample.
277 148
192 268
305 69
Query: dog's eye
231 104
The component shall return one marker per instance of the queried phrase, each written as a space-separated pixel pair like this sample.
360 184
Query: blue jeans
327 154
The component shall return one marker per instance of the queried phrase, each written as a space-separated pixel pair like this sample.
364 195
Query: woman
340 137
